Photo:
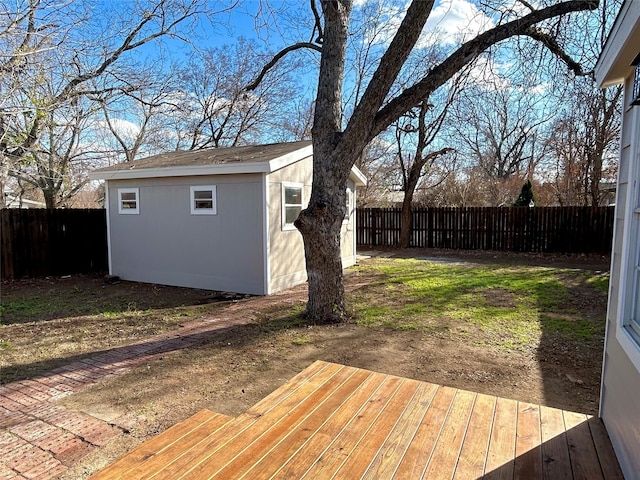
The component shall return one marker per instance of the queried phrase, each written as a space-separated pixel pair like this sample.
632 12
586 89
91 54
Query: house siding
287 265
286 250
620 395
166 244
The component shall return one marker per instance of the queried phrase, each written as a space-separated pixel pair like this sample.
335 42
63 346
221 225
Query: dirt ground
237 368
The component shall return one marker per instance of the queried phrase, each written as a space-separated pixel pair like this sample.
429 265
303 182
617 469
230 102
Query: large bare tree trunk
321 221
320 228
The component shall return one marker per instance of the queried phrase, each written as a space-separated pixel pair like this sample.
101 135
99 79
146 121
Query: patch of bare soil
499 297
46 323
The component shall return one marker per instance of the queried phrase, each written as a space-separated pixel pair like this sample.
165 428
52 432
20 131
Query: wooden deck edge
156 444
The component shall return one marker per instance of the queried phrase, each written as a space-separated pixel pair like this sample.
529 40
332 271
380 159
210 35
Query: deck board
419 453
556 463
166 446
248 427
502 445
339 422
370 444
582 451
298 463
604 449
393 450
447 450
528 461
339 448
285 438
476 442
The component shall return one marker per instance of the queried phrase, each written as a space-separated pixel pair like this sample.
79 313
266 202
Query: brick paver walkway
40 440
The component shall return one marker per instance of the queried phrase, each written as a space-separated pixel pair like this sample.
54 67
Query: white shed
218 219
620 392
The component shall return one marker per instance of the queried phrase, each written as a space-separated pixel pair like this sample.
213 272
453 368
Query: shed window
128 201
203 200
291 204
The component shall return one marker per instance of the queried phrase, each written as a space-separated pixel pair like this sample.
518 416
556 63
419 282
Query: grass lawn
504 306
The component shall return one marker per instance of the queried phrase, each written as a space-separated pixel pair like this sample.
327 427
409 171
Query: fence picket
522 229
40 242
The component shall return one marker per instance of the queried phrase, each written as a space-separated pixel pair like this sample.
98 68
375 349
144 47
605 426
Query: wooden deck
333 421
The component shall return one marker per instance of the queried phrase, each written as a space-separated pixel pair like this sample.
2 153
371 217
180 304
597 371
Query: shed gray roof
216 161
211 156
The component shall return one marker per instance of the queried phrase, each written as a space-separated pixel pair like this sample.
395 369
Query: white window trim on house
195 210
627 334
128 211
285 185
347 217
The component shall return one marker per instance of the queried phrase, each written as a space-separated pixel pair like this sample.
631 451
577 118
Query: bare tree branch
317 23
554 47
277 57
387 72
468 52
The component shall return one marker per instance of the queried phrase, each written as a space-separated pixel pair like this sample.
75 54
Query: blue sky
451 19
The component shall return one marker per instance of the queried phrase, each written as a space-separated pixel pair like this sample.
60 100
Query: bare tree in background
57 163
378 166
583 140
585 137
138 115
500 134
337 147
415 165
297 124
54 51
216 110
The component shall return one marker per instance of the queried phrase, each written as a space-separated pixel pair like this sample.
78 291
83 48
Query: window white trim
630 259
627 298
349 202
193 201
129 211
285 186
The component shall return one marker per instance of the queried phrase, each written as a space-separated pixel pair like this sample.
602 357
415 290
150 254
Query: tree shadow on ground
49 299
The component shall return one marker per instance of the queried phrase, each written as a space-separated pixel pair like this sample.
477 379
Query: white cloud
486 73
450 22
124 128
539 89
454 21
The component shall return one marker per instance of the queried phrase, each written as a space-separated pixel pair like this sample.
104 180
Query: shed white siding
620 396
166 244
286 250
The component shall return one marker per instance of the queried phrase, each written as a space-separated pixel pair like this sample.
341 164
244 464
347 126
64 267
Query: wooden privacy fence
39 242
519 229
